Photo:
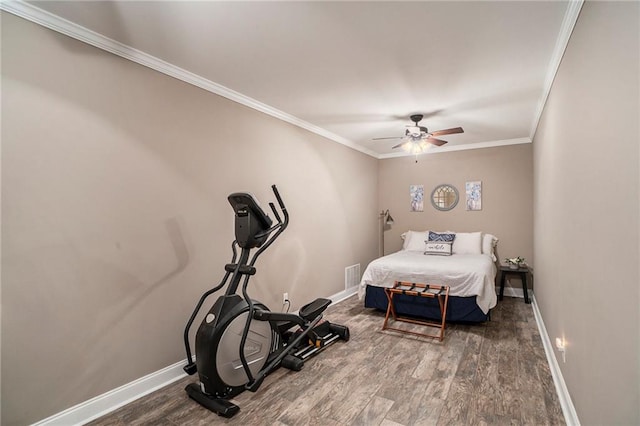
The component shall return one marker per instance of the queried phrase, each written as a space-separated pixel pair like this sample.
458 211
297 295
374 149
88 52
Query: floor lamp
385 220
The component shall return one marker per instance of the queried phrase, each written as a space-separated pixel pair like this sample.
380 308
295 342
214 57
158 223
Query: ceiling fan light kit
416 146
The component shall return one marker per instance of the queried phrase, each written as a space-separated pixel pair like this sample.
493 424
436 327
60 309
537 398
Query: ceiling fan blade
436 142
447 131
393 137
398 146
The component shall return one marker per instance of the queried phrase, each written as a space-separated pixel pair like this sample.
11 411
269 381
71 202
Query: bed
469 271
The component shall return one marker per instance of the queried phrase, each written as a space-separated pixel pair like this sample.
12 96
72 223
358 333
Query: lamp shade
389 220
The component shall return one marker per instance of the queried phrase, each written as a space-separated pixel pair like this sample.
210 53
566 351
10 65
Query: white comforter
465 274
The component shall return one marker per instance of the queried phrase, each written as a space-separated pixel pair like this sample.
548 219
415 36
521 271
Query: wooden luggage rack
441 292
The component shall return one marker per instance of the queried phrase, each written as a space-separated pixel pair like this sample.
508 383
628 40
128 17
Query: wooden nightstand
522 273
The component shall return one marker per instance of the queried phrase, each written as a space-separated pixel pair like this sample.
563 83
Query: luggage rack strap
418 289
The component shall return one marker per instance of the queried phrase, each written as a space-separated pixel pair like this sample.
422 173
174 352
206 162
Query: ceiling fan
416 138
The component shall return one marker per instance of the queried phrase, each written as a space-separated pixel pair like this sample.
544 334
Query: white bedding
465 274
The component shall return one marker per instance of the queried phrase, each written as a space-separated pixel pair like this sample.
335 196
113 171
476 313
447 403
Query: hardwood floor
494 373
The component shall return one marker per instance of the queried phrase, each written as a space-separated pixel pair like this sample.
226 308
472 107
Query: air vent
351 276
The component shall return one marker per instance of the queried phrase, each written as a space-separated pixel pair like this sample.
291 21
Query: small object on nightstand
516 262
521 271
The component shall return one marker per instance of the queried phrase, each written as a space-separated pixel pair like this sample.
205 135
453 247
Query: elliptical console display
240 341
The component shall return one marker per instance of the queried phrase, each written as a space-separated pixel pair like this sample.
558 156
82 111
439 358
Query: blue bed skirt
460 309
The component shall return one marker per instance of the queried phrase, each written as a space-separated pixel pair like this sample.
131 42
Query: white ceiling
353 71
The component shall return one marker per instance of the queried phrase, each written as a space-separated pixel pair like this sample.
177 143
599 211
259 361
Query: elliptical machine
240 341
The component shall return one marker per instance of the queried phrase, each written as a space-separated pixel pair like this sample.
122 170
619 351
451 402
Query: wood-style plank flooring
494 373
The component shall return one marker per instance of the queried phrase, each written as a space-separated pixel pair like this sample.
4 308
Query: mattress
466 274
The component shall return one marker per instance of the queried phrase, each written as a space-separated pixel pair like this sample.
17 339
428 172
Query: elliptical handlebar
275 212
280 226
282 207
277 194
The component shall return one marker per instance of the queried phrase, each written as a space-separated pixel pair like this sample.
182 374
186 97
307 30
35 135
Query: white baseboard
568 410
344 295
116 398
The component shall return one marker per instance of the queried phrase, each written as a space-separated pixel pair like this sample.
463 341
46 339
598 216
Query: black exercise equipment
240 341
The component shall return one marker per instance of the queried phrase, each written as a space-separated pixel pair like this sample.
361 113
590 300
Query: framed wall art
416 192
474 195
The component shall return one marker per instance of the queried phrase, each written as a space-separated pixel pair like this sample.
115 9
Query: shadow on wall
86 289
179 245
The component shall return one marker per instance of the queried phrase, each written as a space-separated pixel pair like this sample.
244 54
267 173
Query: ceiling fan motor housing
416 118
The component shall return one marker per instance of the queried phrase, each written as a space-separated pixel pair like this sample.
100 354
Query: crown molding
568 24
48 20
452 148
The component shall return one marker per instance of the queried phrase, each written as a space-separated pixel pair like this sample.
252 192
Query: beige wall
587 194
507 183
115 219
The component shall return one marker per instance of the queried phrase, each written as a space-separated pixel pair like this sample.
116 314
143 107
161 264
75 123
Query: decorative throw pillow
440 248
433 236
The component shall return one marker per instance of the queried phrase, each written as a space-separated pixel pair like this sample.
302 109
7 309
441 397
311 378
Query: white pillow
488 244
467 243
414 240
